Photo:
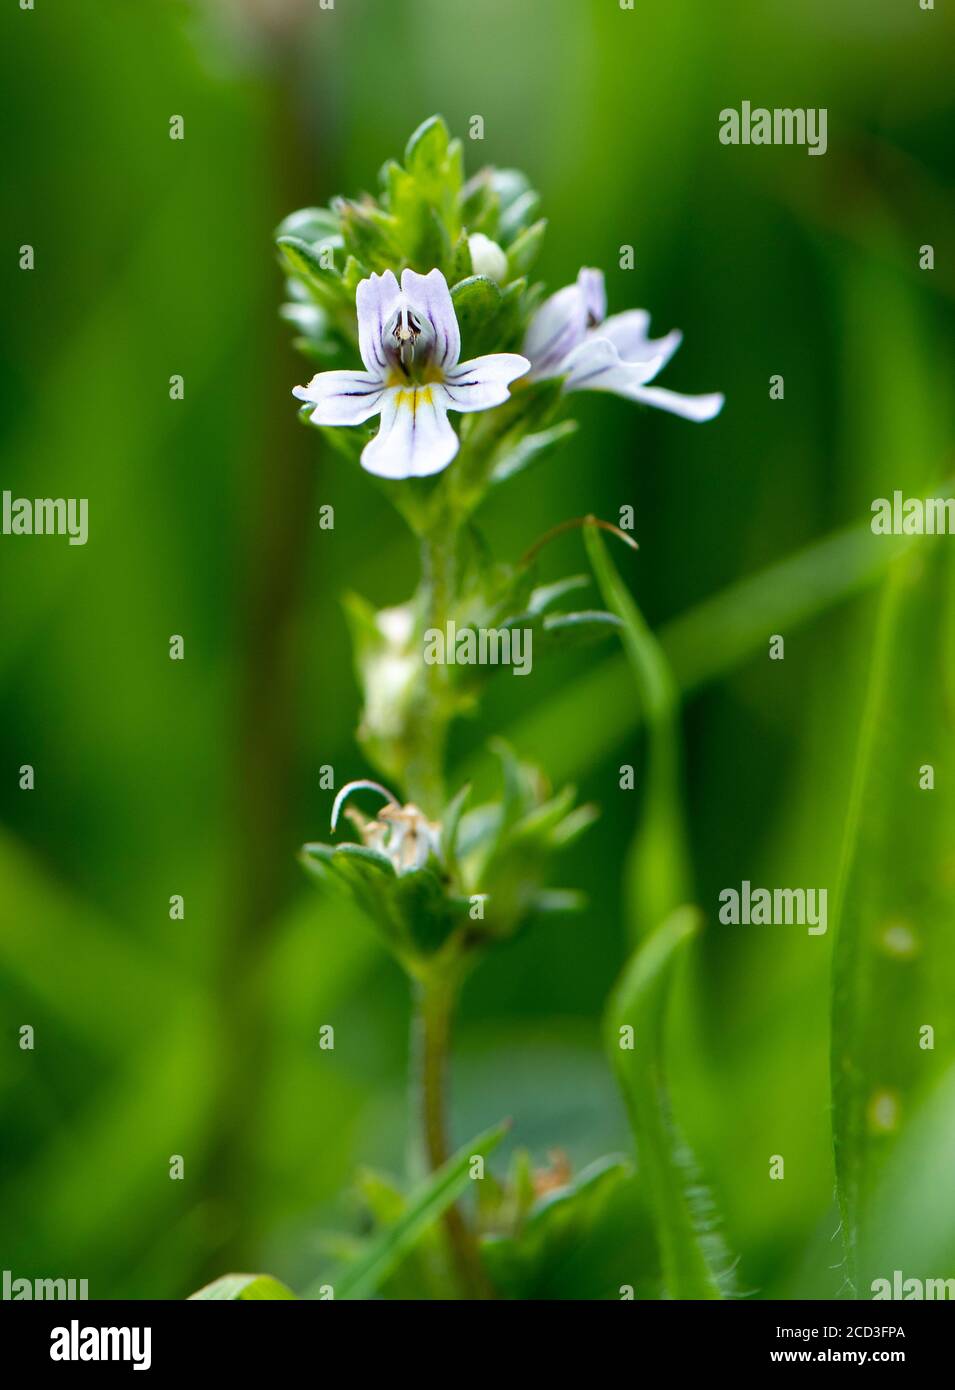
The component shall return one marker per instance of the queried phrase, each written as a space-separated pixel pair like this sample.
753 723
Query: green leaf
434 161
314 339
427 148
513 457
429 913
479 204
525 248
565 629
658 872
449 827
425 1206
311 225
544 596
369 234
415 911
894 963
303 259
517 203
462 267
477 304
587 1240
355 271
691 1253
247 1288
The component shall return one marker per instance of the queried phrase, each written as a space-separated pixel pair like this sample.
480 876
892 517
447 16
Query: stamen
406 333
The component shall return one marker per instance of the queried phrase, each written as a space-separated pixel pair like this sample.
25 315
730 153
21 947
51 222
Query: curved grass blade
658 870
691 1253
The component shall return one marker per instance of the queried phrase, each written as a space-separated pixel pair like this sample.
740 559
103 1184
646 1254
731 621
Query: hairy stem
428 736
436 995
433 1011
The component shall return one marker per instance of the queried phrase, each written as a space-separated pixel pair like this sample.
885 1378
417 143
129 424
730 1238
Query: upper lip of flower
410 344
402 834
570 336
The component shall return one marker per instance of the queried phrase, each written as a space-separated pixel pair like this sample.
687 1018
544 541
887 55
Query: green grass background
153 257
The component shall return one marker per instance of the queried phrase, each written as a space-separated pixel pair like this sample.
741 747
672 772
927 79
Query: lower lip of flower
413 396
426 375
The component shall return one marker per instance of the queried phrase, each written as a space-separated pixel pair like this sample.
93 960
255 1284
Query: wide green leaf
246 1288
894 963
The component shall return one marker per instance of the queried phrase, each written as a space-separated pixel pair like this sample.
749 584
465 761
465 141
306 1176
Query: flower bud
487 258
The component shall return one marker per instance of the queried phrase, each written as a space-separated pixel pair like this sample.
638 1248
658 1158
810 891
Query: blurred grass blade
894 959
249 1288
712 639
915 1232
691 1252
722 632
429 1202
658 871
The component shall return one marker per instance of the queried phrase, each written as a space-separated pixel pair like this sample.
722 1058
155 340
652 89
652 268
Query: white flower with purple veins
410 344
570 336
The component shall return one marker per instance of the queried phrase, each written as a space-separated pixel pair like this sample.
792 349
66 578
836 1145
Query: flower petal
341 398
483 382
562 321
555 330
629 333
430 297
697 408
376 300
416 438
596 365
593 292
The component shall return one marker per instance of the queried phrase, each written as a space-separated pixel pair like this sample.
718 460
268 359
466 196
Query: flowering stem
433 1010
425 772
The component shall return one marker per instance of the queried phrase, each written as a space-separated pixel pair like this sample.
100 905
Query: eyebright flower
410 344
402 833
570 336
